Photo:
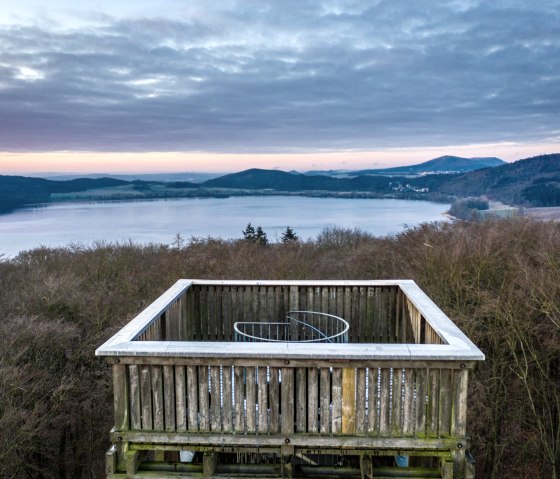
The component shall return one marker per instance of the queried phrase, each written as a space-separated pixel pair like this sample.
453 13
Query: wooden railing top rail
457 346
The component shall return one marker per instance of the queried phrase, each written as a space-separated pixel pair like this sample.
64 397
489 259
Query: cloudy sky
207 85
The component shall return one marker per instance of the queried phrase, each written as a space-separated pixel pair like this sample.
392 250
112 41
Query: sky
197 85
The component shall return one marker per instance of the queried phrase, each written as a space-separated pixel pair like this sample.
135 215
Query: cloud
282 76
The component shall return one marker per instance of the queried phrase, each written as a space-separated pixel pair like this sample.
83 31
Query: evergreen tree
249 233
289 236
261 236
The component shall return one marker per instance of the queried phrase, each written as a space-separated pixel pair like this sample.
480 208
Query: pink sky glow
162 162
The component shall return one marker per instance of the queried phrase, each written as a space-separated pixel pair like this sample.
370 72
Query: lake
158 221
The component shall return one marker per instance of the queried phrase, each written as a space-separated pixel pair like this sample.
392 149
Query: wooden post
209 463
348 401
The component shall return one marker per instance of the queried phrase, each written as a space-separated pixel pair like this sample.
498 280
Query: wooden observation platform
390 402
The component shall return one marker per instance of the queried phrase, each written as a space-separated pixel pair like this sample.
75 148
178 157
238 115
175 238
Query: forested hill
17 191
532 182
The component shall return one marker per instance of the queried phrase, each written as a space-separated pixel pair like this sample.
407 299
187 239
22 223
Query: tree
261 237
249 233
289 236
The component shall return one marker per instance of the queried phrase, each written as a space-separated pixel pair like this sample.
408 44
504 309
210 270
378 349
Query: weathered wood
132 462
157 398
169 397
336 389
239 385
209 464
203 399
361 397
325 400
301 399
146 397
227 389
180 398
459 420
274 400
251 398
421 391
433 402
263 426
396 415
192 398
445 401
373 401
312 400
348 401
215 399
409 400
121 397
385 407
287 403
135 405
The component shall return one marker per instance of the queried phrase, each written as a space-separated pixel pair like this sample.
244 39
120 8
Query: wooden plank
169 397
396 415
215 399
348 401
146 397
355 333
385 408
287 401
192 398
312 400
409 399
459 420
251 398
361 397
336 400
433 402
135 404
421 405
274 400
180 398
203 399
212 316
348 308
370 330
325 399
227 392
301 399
239 394
157 398
121 397
227 326
445 401
373 401
262 425
197 318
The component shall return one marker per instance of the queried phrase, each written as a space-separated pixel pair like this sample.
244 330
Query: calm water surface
158 221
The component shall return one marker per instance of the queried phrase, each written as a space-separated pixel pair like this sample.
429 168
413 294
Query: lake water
158 221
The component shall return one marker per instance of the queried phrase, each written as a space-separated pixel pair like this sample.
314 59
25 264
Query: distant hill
443 164
193 177
531 182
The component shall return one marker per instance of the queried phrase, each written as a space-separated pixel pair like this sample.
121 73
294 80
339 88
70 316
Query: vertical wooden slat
121 397
459 424
373 399
239 419
312 400
192 398
421 390
445 401
135 411
227 415
203 313
356 320
157 397
227 327
385 408
215 399
370 329
263 400
301 400
197 318
325 399
146 397
169 397
396 415
348 308
203 403
274 400
212 316
361 396
337 400
433 402
251 398
287 401
180 398
349 401
408 398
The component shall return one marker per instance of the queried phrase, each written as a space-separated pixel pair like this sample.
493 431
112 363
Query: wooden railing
400 384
